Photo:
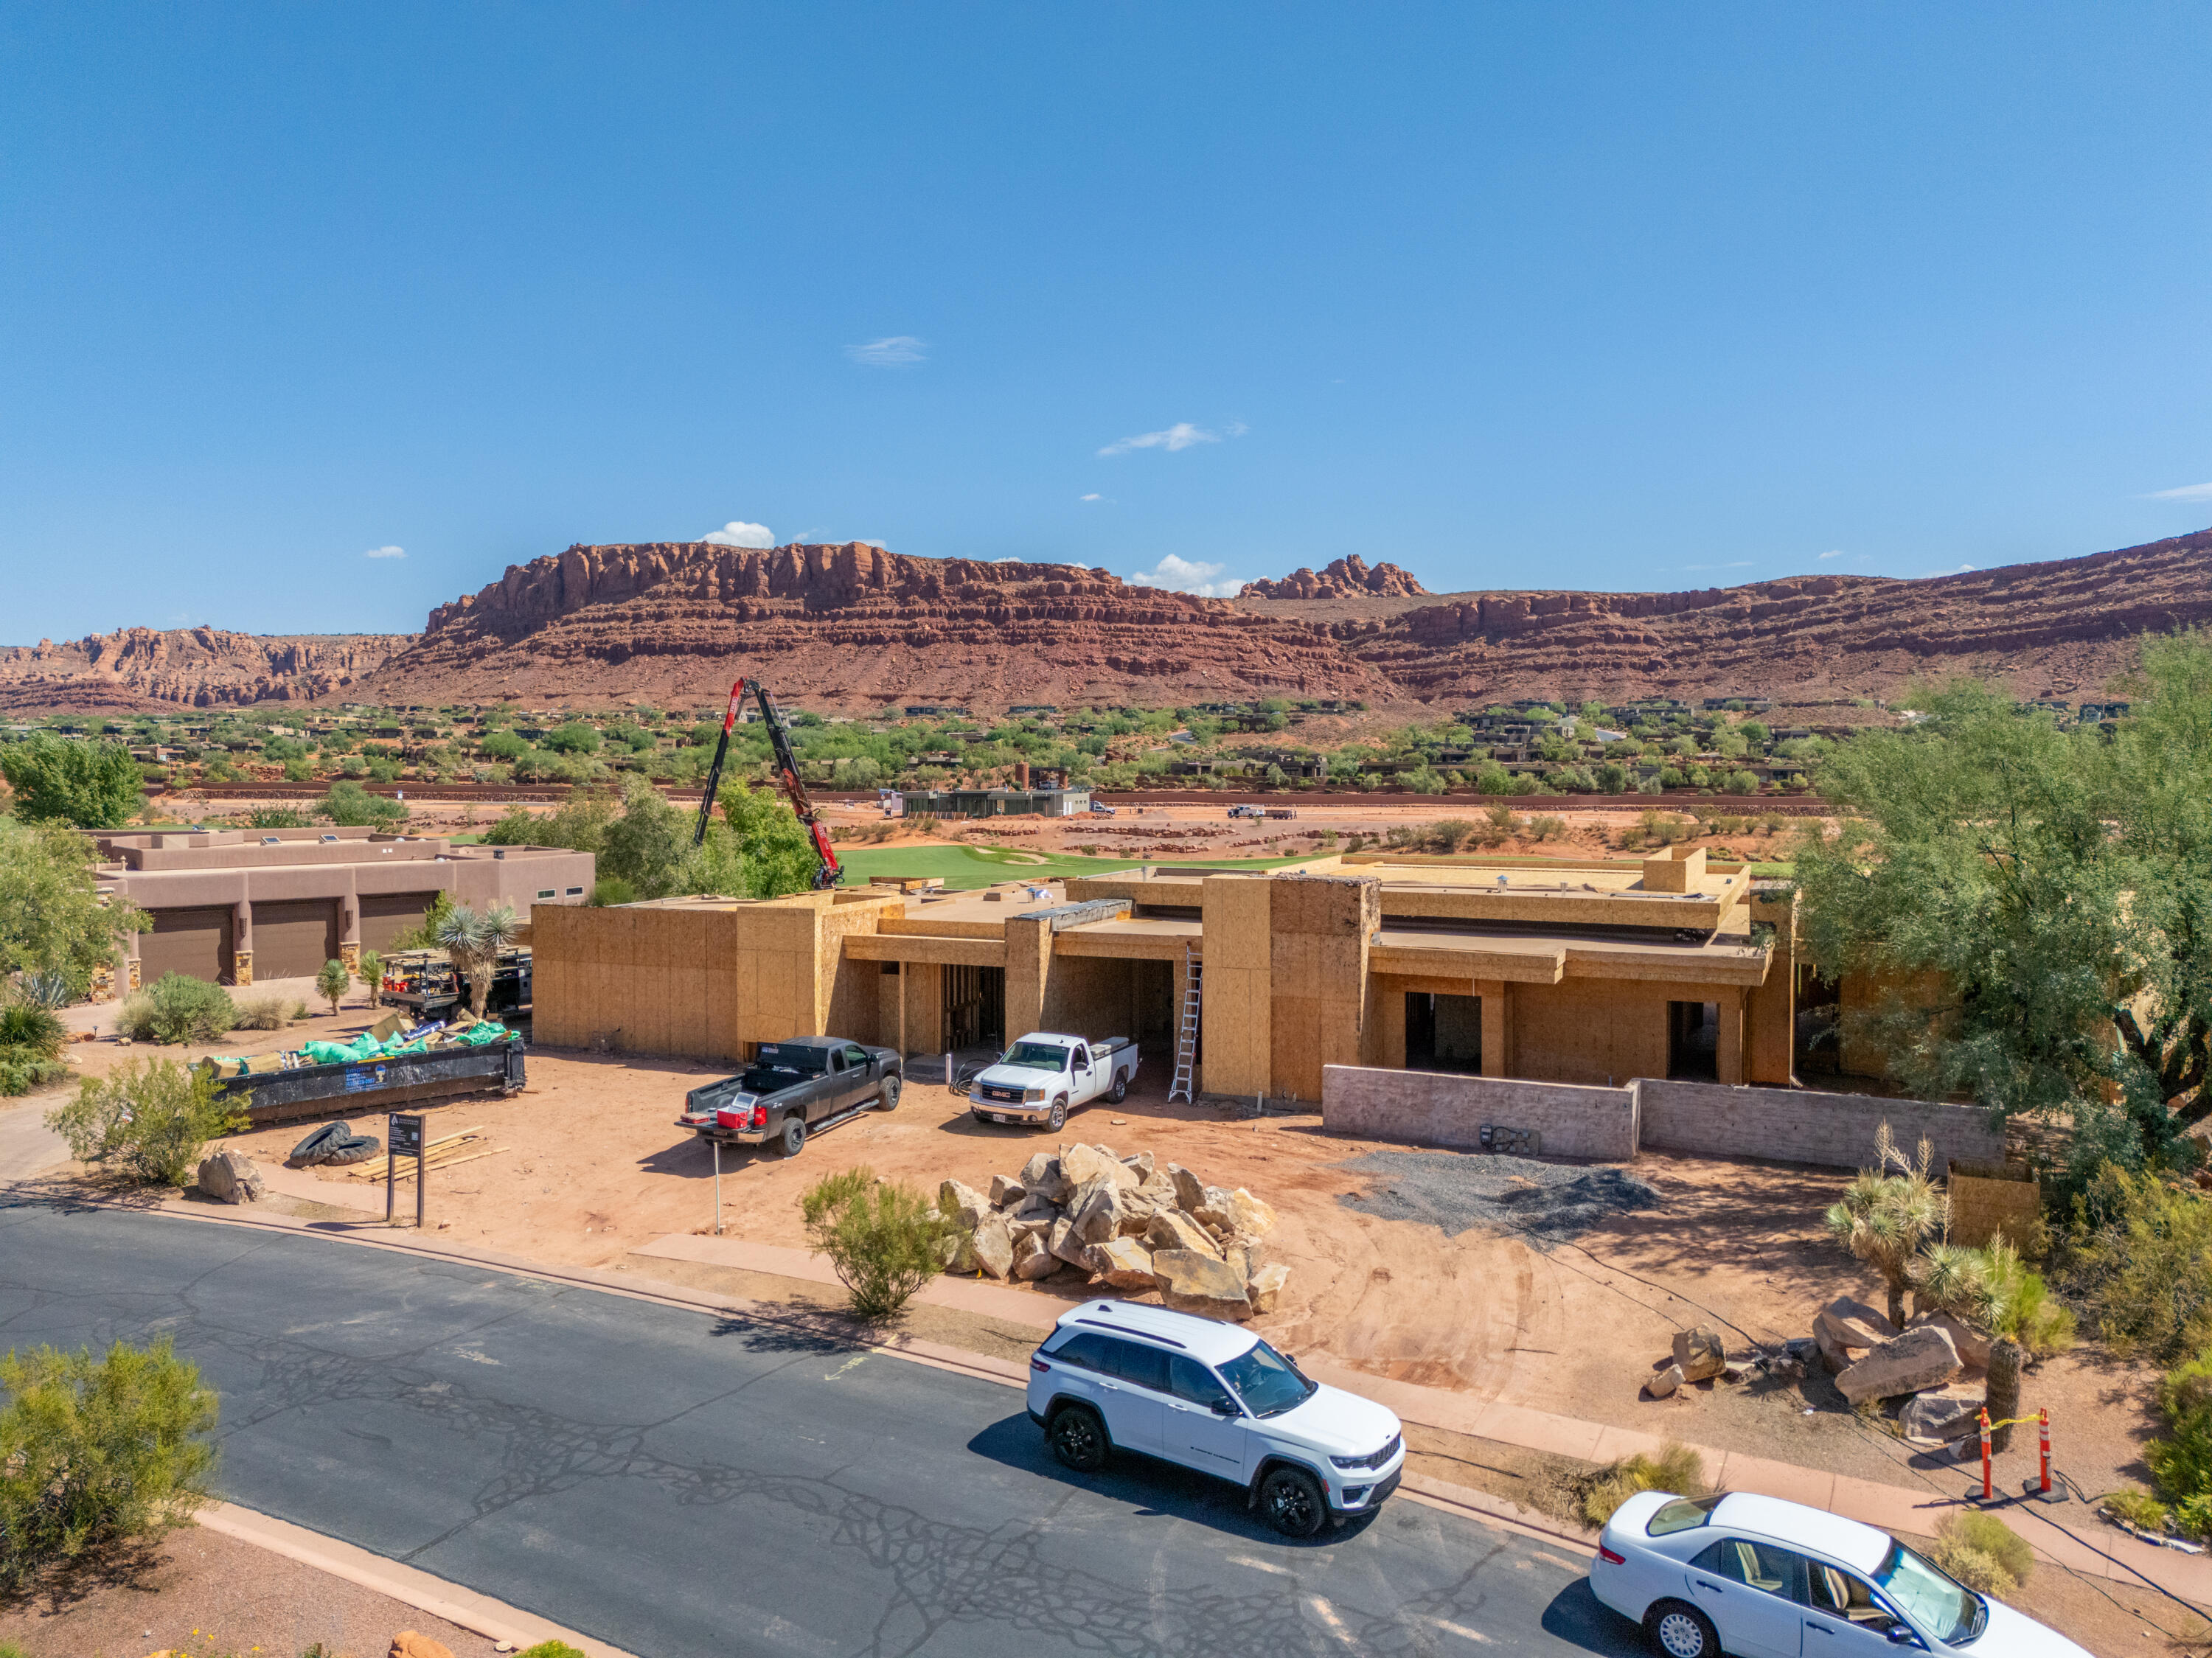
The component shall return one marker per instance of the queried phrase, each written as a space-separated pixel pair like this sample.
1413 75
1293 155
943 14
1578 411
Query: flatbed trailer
378 1085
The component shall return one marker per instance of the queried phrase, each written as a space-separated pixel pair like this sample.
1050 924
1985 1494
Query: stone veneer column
241 942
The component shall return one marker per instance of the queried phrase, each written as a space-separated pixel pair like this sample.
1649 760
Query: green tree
758 849
472 940
574 738
884 1239
98 1452
52 919
349 806
646 846
90 785
2040 901
503 745
332 982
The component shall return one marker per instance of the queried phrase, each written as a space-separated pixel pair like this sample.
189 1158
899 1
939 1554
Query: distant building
997 803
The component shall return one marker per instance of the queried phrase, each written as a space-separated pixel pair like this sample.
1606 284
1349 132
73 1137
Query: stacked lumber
465 1145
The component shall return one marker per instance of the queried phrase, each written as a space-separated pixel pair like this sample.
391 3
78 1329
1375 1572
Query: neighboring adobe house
1579 971
230 905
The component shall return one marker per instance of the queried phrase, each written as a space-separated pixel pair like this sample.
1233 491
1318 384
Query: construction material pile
462 1145
388 1038
1127 1222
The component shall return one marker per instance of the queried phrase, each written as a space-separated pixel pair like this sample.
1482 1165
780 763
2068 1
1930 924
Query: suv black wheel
1292 1501
1120 1091
1675 1629
793 1137
889 1097
1079 1438
1059 1118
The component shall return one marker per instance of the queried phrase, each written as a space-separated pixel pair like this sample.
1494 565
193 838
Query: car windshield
1267 1381
1927 1594
1036 1056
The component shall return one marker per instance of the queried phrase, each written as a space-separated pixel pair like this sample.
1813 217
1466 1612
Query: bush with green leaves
372 976
1995 1290
349 806
148 1119
55 927
90 785
277 817
2140 1509
1983 1553
1889 1212
1676 1469
178 1008
332 983
2139 1257
884 1240
97 1452
31 1039
552 1649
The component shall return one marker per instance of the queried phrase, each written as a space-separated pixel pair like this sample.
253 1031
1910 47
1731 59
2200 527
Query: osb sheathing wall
1593 1030
1318 989
1237 1002
1771 1008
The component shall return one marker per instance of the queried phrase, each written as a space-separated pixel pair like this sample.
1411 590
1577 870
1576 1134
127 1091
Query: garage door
293 940
193 942
386 915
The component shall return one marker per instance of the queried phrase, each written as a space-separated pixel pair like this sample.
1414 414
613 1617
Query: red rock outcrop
1343 578
857 625
149 669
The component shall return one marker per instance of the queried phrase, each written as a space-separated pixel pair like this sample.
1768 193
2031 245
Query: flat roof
1208 1340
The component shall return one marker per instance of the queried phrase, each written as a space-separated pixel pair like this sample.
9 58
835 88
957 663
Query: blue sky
1513 295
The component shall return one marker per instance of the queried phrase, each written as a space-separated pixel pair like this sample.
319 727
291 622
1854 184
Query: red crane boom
828 872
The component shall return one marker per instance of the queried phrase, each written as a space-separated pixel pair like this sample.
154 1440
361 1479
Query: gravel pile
1548 1203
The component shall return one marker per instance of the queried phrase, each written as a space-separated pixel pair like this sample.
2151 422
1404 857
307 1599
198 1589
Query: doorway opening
1693 1031
975 1007
1444 1033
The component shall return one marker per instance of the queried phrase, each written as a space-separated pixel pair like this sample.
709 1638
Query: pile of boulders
1127 1222
1938 1363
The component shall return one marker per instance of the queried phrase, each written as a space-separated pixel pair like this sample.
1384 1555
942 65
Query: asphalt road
678 1485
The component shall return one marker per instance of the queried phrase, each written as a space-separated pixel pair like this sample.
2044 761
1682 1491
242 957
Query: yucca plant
472 940
1886 1218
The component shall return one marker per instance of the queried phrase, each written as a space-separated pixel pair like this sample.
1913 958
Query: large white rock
1853 1324
1080 1165
231 1177
1265 1291
1973 1344
1123 1262
1170 1228
1192 1283
1041 1176
1065 1243
1909 1363
1942 1415
1190 1191
993 1245
1699 1353
1662 1384
1005 1190
1032 1259
964 1202
1099 1210
1214 1211
1248 1215
1141 1161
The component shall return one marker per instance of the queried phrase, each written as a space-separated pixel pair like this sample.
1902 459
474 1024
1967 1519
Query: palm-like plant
472 940
1886 1218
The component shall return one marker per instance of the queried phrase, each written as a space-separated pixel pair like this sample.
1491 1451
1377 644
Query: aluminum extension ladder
1193 973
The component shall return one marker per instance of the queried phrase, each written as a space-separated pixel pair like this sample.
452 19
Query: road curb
495 1620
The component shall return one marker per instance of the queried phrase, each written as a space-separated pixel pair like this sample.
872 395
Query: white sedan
1758 1577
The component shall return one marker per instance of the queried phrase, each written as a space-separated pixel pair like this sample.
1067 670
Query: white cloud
1093 496
1838 553
1181 435
893 351
1236 428
2187 492
738 533
386 552
1182 576
1962 570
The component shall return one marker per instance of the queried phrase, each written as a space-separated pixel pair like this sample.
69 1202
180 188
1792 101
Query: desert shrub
277 817
19 1075
261 1013
552 1649
178 1009
882 1238
1888 1212
2139 1509
1677 1469
1546 827
36 1030
300 1011
150 1119
1449 834
1993 1288
372 976
332 983
1983 1553
97 1452
425 937
612 890
2139 1257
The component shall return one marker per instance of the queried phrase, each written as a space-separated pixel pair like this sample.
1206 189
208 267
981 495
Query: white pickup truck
1045 1075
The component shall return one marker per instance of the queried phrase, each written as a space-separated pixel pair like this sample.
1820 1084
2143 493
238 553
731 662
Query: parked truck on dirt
792 1090
1046 1075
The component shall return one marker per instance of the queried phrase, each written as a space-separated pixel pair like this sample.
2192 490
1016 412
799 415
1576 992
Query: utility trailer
423 982
377 1085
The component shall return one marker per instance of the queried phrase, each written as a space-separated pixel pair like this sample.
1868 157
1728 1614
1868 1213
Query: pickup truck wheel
792 1138
1079 1438
887 1098
1293 1502
1059 1118
1120 1091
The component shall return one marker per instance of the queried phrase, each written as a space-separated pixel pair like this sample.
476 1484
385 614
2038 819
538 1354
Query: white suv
1115 1375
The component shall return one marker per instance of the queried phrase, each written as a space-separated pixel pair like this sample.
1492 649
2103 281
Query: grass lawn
980 866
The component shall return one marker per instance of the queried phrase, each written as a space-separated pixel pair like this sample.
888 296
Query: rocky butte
852 625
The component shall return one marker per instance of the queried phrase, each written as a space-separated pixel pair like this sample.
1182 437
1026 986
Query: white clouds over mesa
386 552
893 351
1838 553
1182 436
738 533
1182 575
2187 492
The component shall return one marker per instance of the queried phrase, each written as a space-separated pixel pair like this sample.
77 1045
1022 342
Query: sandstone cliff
1343 578
857 625
144 669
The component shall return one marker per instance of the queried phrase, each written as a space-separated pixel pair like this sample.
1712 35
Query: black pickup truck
807 1085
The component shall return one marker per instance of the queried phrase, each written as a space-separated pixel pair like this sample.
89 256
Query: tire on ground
360 1148
312 1148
